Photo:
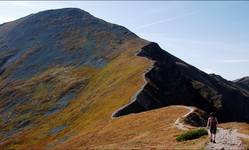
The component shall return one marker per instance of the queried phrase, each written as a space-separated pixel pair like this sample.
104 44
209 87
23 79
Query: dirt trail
179 123
226 139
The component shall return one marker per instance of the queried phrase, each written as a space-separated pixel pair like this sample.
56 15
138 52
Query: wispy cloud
234 61
221 46
189 41
167 19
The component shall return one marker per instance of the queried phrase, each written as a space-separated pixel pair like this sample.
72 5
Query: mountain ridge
243 82
207 92
76 71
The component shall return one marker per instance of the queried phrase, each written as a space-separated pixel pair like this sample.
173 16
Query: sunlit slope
102 91
63 73
153 129
146 130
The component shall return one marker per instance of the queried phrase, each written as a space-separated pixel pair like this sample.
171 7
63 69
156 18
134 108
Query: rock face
174 82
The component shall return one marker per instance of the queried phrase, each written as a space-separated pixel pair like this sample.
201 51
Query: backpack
213 122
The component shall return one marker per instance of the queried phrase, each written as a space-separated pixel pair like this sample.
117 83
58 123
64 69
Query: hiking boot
214 141
211 140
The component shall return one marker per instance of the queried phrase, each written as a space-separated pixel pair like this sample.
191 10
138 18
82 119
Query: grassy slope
86 122
107 89
148 130
152 129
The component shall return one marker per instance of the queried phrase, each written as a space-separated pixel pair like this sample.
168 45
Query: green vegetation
193 134
1 119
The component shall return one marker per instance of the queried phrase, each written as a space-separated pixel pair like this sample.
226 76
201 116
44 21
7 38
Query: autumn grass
44 91
105 90
245 142
139 130
88 115
146 130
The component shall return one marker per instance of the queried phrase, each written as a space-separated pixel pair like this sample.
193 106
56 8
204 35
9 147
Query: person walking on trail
212 125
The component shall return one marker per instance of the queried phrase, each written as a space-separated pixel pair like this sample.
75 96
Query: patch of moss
193 134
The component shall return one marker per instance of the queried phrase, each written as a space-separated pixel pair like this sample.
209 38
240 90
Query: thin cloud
219 45
167 20
235 61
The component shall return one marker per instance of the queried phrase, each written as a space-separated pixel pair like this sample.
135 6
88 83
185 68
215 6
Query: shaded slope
243 82
174 82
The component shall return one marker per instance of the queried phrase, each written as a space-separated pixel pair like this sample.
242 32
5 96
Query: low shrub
193 134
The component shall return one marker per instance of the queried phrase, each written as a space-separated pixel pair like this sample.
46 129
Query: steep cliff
174 82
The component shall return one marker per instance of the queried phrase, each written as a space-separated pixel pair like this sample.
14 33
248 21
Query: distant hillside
64 73
243 82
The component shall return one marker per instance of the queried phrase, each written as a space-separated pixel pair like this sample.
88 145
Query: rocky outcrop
174 82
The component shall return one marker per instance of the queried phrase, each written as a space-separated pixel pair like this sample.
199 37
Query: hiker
212 125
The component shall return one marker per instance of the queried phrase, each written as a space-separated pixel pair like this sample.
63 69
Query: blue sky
213 36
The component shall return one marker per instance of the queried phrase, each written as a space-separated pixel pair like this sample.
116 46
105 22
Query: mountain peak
75 70
74 12
50 35
243 82
243 79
